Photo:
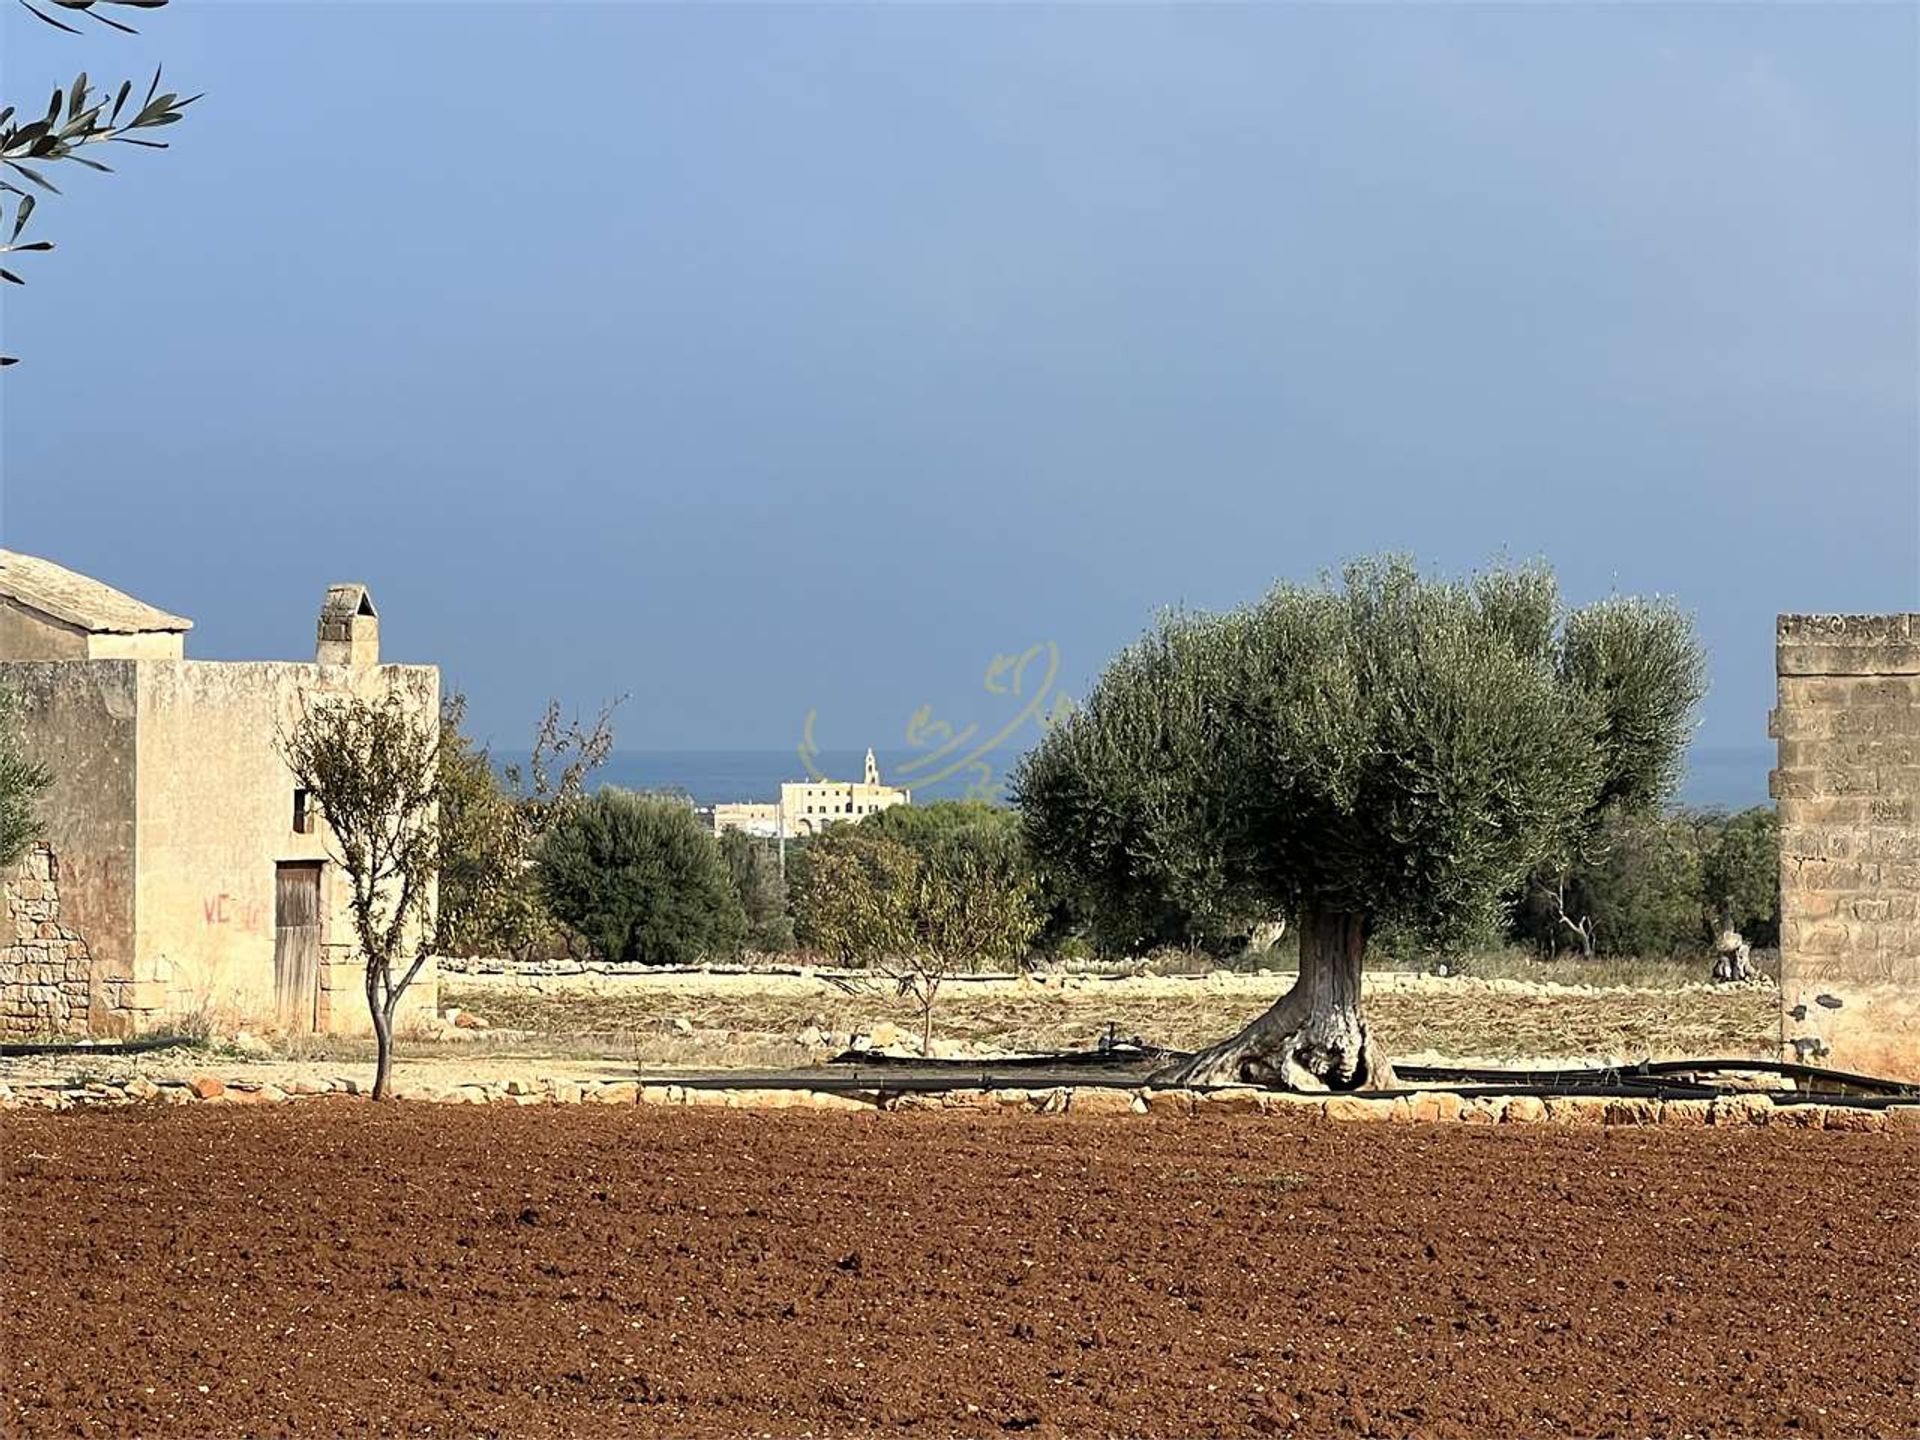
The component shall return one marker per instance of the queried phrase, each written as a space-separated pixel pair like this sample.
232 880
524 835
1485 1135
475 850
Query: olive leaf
76 117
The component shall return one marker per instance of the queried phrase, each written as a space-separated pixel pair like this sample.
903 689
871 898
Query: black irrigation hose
101 1047
1065 1059
1649 1079
890 1081
1807 1077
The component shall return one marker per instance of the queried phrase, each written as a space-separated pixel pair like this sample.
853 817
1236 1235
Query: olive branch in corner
77 117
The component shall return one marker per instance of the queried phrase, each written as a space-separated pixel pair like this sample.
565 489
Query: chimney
349 628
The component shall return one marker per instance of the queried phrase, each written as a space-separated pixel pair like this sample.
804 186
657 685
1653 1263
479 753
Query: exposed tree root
1315 1037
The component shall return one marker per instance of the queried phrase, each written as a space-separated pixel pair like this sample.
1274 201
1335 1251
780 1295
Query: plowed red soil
342 1269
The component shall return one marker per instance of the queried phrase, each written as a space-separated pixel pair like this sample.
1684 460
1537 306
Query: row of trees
1660 884
637 879
532 864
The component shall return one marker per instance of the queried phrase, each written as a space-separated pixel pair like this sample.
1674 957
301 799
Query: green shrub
22 783
755 867
1741 876
641 880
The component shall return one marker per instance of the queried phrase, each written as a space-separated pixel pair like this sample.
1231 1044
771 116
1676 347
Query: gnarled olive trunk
1315 1036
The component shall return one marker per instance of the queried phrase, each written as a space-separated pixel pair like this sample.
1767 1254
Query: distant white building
806 807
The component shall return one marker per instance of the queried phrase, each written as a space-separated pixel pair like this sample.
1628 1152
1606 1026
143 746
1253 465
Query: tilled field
339 1268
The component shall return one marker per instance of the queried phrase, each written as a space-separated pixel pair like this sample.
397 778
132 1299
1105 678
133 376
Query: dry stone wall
1848 793
45 967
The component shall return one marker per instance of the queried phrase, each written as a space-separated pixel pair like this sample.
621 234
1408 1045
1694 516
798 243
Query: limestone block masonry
44 966
1848 794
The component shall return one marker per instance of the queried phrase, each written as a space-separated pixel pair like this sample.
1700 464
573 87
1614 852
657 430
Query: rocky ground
591 1028
336 1268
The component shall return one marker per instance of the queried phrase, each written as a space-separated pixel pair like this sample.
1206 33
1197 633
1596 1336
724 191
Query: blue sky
758 361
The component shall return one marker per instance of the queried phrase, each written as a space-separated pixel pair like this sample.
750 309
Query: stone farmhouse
182 874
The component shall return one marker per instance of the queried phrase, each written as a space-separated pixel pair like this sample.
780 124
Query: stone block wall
45 967
1848 793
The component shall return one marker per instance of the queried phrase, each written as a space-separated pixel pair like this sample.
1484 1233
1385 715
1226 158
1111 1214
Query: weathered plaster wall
26 634
46 969
1848 791
79 719
216 814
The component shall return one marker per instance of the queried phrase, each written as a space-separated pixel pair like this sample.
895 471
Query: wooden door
296 944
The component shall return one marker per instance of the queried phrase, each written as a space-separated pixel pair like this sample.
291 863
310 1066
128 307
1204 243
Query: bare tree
1582 928
372 768
565 753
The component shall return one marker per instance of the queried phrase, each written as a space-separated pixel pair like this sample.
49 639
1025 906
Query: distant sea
1725 777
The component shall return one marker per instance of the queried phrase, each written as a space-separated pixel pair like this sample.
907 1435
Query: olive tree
976 901
372 769
1391 748
1740 875
641 879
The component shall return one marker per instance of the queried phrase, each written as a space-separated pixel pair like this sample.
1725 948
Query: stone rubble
1424 1107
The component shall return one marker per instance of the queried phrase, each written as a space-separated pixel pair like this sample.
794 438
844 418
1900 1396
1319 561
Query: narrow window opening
302 813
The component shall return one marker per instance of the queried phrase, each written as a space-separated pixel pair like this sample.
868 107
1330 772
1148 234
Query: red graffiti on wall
225 909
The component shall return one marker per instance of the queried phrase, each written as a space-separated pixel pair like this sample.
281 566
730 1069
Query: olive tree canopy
1391 748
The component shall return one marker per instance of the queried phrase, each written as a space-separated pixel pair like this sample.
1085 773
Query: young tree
853 896
22 782
916 918
762 890
921 828
641 879
1392 749
372 768
976 901
564 754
